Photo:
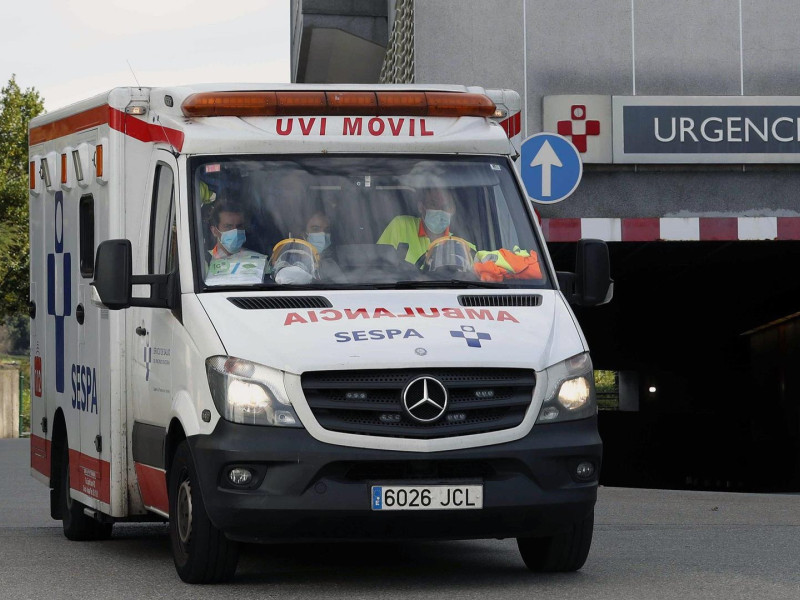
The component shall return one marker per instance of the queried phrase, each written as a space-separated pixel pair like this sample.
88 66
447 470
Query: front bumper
309 490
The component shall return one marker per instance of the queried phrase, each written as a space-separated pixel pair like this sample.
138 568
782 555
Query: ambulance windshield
363 221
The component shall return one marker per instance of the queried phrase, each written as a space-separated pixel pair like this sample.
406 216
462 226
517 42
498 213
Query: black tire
201 552
562 552
78 526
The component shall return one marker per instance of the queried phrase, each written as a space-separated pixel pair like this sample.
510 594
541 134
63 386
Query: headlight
249 393
570 393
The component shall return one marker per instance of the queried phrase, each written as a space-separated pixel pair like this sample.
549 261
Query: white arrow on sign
546 158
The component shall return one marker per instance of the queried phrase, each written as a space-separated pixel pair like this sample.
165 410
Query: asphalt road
647 544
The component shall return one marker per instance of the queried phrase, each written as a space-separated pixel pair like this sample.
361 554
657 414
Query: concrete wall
626 47
338 41
9 401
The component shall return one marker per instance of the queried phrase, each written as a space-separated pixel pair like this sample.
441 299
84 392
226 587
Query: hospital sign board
706 129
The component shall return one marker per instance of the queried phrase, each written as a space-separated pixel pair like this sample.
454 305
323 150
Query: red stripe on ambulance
87 474
102 115
153 486
90 476
40 455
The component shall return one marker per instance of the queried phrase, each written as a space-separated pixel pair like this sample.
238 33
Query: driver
436 210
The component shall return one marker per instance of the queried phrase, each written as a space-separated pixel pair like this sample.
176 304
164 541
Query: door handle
141 330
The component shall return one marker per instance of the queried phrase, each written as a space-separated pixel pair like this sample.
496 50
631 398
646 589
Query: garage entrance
705 340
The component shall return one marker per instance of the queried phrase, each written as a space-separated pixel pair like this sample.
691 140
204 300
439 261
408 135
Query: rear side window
163 252
86 219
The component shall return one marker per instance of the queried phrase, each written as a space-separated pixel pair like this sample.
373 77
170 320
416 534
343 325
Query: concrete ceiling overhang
329 55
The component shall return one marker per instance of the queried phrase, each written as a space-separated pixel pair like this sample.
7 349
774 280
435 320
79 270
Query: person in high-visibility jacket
436 208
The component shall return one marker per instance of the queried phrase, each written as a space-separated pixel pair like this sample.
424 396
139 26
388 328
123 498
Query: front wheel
201 552
562 552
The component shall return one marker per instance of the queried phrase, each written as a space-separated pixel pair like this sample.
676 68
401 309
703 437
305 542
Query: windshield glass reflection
354 221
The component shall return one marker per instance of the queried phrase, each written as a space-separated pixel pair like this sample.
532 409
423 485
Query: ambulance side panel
75 342
40 441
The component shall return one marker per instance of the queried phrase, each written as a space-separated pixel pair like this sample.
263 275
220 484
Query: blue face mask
319 240
436 221
232 240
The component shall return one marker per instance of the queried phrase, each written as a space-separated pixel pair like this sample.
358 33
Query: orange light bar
307 102
448 104
63 168
403 103
352 103
230 104
98 160
32 175
301 103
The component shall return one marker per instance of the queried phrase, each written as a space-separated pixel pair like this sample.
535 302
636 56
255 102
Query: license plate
427 497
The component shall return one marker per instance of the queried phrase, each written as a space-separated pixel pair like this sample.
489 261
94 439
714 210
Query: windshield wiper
445 284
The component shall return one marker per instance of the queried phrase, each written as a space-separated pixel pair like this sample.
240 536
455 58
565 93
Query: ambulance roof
297 133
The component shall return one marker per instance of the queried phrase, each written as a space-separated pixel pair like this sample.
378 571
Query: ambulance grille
370 402
280 302
500 300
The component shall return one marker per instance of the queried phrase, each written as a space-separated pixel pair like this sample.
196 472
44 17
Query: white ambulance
272 313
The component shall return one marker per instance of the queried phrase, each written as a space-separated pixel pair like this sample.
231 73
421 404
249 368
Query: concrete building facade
703 328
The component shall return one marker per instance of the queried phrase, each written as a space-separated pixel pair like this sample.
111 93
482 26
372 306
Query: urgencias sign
706 129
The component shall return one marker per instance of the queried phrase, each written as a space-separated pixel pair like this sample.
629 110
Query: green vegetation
605 384
17 108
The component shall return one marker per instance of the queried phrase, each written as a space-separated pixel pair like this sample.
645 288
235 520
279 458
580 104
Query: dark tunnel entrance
705 339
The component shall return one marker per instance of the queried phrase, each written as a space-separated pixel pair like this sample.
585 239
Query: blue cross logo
474 340
59 269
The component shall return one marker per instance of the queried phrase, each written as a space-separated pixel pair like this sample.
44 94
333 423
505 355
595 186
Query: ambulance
271 313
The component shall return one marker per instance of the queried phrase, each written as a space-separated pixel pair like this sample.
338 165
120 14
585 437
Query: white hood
395 329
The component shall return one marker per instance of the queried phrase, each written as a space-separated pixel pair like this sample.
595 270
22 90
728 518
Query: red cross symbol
578 128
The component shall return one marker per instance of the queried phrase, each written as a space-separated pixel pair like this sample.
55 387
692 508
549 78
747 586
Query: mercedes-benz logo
425 399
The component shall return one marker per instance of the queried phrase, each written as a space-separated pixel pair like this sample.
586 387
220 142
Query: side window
163 254
86 220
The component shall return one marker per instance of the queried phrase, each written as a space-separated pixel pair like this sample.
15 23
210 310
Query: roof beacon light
308 102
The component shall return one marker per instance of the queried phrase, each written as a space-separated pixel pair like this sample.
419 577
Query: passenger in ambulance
318 234
318 231
229 261
436 209
299 261
295 261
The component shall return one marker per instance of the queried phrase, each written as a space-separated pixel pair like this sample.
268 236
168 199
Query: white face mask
293 275
319 240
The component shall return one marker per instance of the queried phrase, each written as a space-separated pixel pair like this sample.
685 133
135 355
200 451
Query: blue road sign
550 166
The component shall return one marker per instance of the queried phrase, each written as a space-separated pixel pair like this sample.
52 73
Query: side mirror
591 284
112 273
113 279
